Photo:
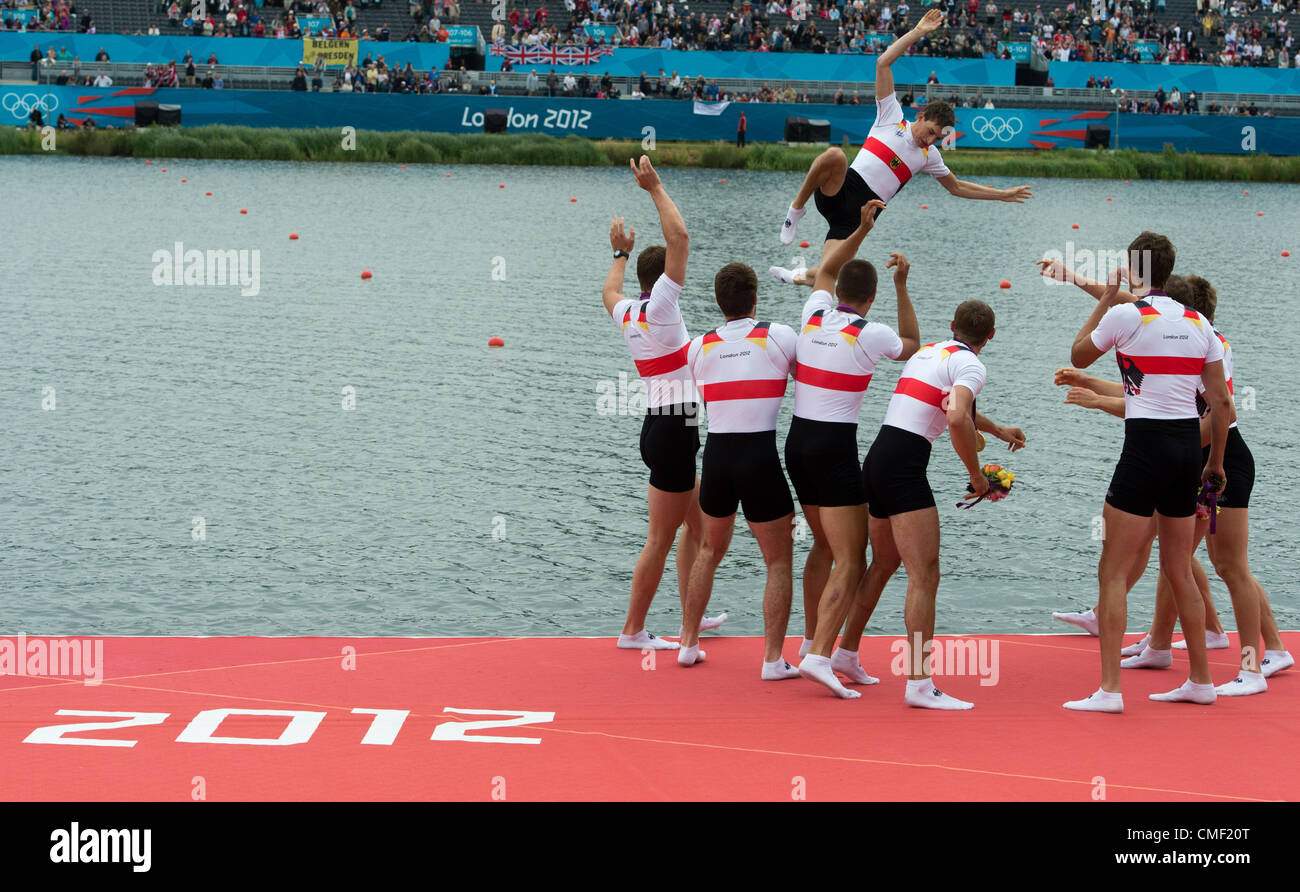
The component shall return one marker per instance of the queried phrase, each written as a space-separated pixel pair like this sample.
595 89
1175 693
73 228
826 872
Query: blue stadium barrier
595 118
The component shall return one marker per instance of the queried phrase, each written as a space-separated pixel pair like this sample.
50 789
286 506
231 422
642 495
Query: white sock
778 671
818 669
923 693
1276 661
1213 641
1098 701
787 275
1134 649
792 218
689 656
845 662
1245 683
805 648
1150 658
1188 692
643 639
707 624
1087 620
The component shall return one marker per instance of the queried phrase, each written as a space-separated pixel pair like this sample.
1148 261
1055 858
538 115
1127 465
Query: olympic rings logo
999 128
21 105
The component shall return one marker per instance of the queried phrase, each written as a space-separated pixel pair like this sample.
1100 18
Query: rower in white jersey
656 337
935 391
1163 350
742 368
836 356
893 152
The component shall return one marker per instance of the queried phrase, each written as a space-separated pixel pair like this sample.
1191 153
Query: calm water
477 491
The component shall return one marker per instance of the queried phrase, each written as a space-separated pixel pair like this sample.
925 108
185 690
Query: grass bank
409 147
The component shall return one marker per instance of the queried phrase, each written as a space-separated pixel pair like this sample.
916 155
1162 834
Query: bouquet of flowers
1000 481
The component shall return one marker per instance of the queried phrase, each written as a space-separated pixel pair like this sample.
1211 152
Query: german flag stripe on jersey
1195 317
641 316
762 389
853 329
806 374
895 164
710 340
1166 365
1149 313
758 335
919 390
814 321
662 365
1222 340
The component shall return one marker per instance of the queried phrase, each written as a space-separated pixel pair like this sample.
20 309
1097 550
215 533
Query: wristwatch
621 253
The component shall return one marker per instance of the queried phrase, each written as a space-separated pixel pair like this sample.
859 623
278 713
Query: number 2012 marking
301 726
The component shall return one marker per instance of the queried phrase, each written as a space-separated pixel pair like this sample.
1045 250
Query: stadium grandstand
1169 33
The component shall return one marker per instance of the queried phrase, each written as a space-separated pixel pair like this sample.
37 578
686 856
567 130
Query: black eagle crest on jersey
1130 374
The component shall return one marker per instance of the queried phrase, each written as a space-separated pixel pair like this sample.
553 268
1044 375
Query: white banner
710 108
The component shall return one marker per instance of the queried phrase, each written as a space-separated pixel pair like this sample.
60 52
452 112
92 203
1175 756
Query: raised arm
612 293
884 76
677 242
1076 379
842 253
1084 352
909 332
1059 272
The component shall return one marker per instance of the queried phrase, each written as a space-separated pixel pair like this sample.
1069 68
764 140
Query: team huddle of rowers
1181 447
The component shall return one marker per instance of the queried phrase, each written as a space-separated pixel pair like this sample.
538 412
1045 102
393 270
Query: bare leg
916 535
826 173
1177 542
846 535
816 570
688 545
1227 549
885 560
777 544
667 512
1125 538
714 542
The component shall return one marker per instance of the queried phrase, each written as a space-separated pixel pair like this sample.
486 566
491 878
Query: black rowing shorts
670 438
1239 465
893 473
1159 468
822 460
744 470
843 210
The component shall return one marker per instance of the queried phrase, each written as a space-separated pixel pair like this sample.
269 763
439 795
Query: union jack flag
551 55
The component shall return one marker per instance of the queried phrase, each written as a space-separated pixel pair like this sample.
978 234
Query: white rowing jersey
656 337
1161 347
742 369
1228 363
837 353
890 156
920 400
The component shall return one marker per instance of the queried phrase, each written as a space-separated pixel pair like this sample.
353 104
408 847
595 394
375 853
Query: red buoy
724 179
367 274
164 170
925 207
496 341
1286 253
293 236
1126 182
147 161
803 244
1259 213
1004 284
501 185
573 199
183 180
403 167
1108 198
1074 225
207 193
1245 192
243 210
448 174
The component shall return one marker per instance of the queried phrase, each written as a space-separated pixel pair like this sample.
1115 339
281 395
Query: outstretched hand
646 176
929 22
1070 378
620 240
900 266
1110 297
1014 437
869 211
1082 396
1054 270
1017 194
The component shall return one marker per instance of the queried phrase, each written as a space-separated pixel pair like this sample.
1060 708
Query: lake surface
477 491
